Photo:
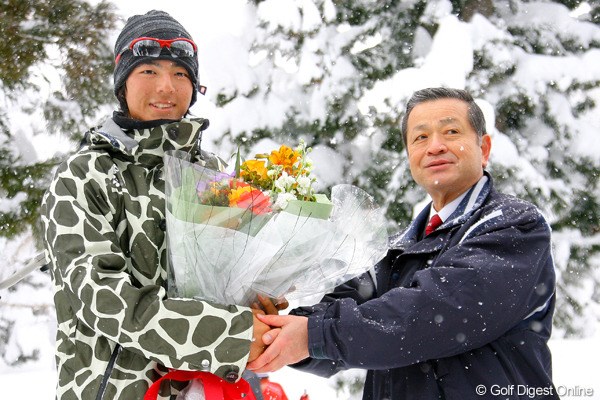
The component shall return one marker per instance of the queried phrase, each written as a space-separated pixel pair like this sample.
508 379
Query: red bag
272 390
215 388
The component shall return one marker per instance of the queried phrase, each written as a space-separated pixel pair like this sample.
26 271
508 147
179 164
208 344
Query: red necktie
434 222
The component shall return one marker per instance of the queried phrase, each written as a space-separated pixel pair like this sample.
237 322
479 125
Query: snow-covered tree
338 74
55 74
539 75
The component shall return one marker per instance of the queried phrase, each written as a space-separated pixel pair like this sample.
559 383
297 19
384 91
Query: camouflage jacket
104 225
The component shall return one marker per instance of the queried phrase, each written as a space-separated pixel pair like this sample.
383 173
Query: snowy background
224 31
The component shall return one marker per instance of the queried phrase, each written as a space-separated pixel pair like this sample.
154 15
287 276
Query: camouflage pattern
104 227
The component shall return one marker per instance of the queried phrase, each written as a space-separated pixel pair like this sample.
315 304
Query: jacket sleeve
495 276
97 282
360 290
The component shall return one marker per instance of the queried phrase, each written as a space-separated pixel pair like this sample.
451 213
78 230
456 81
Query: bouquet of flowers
263 229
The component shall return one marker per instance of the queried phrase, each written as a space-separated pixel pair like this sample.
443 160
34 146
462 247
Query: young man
462 306
104 219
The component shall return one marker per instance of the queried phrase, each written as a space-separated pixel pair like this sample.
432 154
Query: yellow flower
286 157
254 171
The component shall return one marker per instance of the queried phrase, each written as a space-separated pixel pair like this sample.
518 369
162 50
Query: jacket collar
471 202
147 146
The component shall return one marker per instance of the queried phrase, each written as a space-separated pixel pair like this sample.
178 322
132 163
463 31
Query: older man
463 303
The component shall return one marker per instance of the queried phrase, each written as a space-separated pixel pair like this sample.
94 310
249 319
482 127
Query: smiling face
445 153
159 89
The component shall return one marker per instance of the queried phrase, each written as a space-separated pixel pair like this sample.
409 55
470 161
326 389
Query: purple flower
218 177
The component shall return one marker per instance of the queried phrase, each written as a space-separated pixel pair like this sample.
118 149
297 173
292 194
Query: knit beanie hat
154 24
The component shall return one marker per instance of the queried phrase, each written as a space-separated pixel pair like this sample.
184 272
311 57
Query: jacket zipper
438 379
109 369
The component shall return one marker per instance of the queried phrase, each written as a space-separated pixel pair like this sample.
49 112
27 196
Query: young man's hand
270 306
259 328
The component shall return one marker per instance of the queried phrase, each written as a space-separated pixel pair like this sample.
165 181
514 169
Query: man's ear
122 100
486 147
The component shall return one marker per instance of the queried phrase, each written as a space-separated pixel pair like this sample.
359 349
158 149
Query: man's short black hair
475 115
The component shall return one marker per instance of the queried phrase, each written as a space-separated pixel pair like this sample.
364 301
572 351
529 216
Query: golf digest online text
534 392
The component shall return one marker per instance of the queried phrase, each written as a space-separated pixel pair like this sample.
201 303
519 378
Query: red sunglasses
152 47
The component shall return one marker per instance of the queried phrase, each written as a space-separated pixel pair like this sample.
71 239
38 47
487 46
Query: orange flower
236 194
286 157
237 183
256 201
245 196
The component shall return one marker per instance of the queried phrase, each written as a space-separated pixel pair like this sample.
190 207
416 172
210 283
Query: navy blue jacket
469 305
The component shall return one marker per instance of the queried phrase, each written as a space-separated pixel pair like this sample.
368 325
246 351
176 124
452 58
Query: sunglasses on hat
152 47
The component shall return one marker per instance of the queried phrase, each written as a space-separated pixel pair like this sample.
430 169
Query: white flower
282 200
304 186
301 146
308 164
284 183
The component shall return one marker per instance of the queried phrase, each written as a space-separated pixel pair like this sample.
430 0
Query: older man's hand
287 344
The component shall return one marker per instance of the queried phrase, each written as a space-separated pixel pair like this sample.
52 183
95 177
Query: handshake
277 340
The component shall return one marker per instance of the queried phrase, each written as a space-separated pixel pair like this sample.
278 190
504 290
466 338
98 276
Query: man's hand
287 345
259 328
270 306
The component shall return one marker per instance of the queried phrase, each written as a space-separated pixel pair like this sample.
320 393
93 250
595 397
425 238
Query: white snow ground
575 376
